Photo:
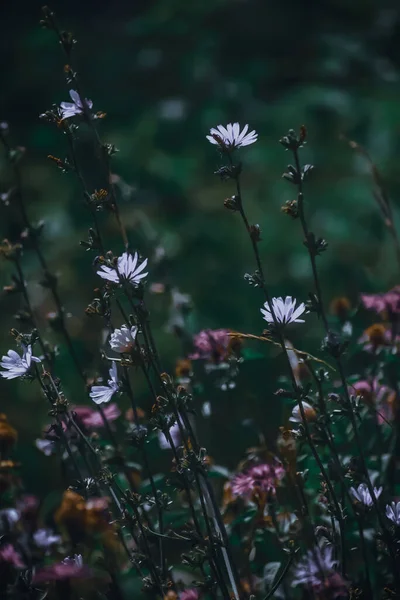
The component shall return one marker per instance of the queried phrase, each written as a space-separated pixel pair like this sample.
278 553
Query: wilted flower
230 137
15 365
260 478
284 311
92 419
44 538
104 393
363 495
126 269
211 344
317 572
309 413
9 555
70 568
393 512
74 108
123 340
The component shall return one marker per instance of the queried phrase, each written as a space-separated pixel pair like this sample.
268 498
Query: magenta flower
389 302
211 344
378 395
189 594
92 419
70 568
263 477
9 555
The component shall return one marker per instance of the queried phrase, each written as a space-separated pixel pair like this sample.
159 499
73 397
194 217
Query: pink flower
263 477
390 301
211 344
70 568
189 594
9 555
92 419
377 395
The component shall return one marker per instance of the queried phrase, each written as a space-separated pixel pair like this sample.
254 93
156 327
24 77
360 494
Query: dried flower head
340 307
8 435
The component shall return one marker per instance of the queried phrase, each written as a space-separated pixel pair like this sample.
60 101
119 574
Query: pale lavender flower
123 340
16 365
44 538
284 310
230 137
363 495
317 571
189 594
309 413
9 516
393 512
48 447
104 393
175 434
127 268
74 108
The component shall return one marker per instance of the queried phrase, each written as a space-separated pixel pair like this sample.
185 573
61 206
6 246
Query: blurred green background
166 71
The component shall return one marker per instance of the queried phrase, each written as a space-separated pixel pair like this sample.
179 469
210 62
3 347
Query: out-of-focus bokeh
165 71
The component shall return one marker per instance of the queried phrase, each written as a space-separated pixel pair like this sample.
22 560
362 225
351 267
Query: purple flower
104 393
317 571
9 555
127 268
211 344
381 303
263 477
70 568
74 108
362 494
15 365
92 419
381 397
230 137
189 594
393 512
174 432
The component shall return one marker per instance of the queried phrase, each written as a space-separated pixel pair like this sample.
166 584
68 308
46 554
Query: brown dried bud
8 435
255 233
376 334
290 208
340 307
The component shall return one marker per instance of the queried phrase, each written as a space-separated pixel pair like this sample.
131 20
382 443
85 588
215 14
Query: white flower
15 365
104 393
309 413
126 269
44 538
76 560
284 311
10 515
230 137
393 512
362 494
123 340
74 108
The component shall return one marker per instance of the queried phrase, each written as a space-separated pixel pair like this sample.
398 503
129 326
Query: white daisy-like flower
362 494
74 108
309 413
104 393
127 268
284 311
17 365
393 512
123 340
230 137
